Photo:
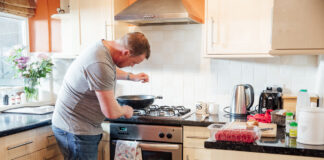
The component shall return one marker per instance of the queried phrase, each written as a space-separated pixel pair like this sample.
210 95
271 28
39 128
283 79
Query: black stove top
162 111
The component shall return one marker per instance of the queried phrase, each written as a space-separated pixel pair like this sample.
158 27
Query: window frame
25 40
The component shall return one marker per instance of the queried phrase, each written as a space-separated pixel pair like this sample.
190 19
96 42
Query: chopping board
268 133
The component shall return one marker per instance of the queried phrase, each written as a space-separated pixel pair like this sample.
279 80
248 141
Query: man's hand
139 77
128 111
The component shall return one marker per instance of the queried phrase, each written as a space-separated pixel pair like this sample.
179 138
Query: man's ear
126 52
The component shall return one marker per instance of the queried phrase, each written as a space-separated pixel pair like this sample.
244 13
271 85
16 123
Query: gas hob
162 111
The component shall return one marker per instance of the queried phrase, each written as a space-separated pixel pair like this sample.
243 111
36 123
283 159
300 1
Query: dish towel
128 150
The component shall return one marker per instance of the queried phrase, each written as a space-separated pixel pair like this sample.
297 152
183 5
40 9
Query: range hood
150 12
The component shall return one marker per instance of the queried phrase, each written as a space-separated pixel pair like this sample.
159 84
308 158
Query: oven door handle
149 146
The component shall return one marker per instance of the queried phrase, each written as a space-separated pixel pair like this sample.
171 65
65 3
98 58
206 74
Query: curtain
25 8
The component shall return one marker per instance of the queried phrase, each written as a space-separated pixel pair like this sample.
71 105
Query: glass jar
289 118
293 129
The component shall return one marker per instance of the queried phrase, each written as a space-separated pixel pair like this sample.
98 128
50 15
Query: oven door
154 151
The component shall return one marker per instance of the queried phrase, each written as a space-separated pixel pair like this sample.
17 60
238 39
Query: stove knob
161 135
169 135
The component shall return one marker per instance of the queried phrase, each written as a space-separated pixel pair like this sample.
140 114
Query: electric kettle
243 98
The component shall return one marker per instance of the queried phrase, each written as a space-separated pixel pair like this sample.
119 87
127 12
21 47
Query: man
87 95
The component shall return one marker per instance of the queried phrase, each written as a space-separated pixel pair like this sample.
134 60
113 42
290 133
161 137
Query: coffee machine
271 98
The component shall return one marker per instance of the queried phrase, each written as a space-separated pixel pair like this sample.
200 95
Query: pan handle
158 97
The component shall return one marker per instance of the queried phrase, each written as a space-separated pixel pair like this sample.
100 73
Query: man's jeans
77 147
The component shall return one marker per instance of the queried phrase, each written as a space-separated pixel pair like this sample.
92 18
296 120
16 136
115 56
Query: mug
201 108
213 108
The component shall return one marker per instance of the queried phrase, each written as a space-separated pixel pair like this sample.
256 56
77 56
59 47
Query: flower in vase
30 68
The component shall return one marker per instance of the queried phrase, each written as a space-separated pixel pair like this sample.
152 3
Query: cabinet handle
10 148
197 137
212 31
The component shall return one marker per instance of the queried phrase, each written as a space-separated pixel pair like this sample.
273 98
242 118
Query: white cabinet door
238 27
199 154
307 21
96 18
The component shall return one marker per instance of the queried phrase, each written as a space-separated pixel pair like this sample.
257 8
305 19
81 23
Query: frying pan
137 101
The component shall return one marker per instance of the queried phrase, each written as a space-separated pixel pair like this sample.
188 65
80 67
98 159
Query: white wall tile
179 73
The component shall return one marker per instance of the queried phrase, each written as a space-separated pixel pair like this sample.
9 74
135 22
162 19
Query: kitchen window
13 31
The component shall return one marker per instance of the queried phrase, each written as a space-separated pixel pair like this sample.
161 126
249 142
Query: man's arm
110 107
122 75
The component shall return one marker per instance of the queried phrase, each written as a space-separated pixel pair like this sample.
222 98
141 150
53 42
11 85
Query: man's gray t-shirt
77 108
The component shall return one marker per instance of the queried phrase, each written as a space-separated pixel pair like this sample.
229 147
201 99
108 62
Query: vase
31 89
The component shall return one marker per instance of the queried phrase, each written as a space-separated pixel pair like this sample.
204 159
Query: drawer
195 137
38 155
20 144
45 137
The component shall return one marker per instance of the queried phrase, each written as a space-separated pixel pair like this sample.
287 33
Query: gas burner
168 113
153 107
162 111
139 112
179 107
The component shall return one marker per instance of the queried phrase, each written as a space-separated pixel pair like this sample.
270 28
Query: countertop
282 144
14 123
11 123
190 119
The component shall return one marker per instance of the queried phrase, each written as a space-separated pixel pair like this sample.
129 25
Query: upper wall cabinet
96 21
254 28
90 21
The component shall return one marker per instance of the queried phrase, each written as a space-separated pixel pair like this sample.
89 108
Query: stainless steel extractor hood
149 12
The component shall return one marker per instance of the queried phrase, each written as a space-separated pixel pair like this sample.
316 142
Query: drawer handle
10 148
197 137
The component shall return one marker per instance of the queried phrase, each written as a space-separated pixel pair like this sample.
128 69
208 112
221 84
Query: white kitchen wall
179 73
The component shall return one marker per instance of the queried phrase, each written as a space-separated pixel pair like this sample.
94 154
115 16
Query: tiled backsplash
179 73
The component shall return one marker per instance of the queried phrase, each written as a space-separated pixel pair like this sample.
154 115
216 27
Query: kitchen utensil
137 101
201 108
243 98
278 118
270 99
188 115
266 129
204 116
310 129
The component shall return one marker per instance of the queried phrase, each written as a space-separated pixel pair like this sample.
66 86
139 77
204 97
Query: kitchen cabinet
37 143
193 143
254 28
193 149
209 154
96 21
89 22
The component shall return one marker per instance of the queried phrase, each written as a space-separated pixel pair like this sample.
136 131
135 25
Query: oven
156 141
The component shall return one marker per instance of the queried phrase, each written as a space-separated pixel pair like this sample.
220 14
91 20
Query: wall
179 74
44 32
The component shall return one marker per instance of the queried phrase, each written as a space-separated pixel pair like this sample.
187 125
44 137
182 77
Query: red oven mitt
264 118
